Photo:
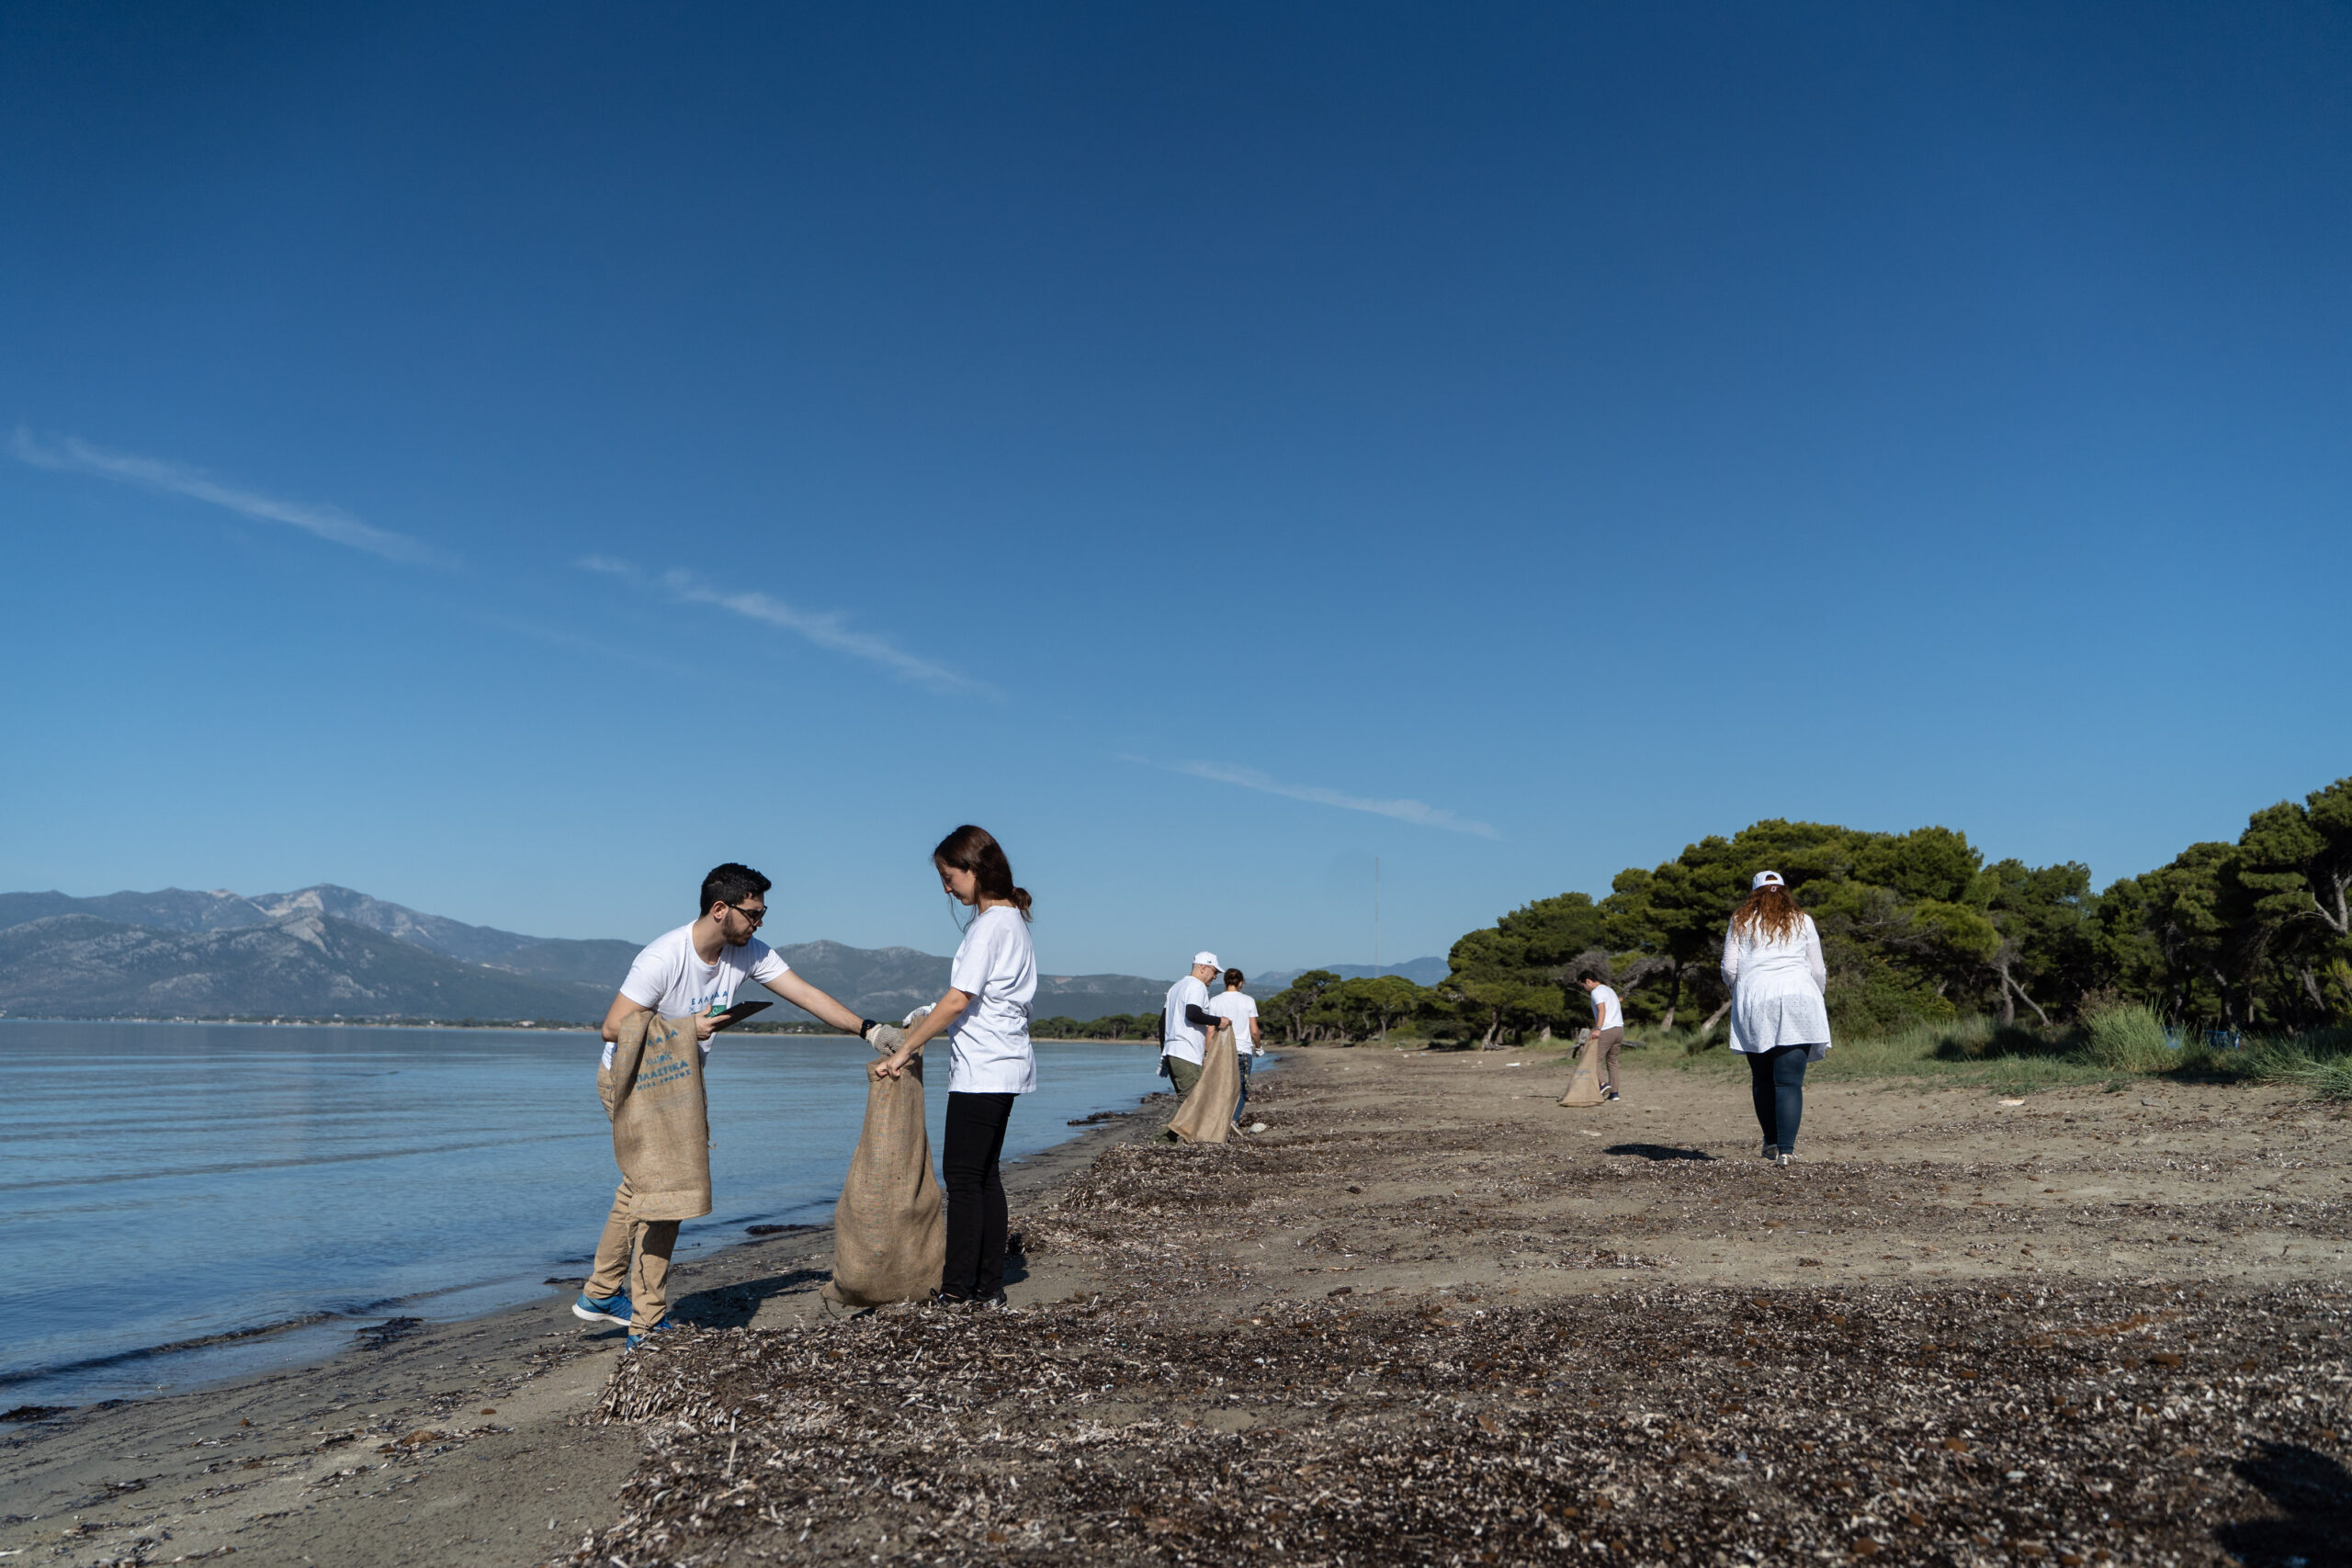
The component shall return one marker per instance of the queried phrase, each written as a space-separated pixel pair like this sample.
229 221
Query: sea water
170 1183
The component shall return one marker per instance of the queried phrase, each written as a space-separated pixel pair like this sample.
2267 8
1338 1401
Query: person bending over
985 1015
694 971
1607 1030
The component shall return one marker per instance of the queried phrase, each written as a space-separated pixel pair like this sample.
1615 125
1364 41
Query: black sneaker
1612 1094
940 1298
990 1303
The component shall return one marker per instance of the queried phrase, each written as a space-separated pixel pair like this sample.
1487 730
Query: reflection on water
169 1182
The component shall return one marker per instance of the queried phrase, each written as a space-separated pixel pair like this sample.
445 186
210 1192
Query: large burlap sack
653 1092
1206 1115
1584 1083
890 1227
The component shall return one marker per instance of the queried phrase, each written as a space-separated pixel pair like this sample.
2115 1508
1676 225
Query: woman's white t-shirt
1777 989
1236 1008
997 968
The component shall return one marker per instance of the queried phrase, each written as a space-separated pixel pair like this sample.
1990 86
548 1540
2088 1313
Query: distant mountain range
327 950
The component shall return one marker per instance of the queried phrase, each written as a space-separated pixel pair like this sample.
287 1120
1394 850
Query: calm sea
171 1182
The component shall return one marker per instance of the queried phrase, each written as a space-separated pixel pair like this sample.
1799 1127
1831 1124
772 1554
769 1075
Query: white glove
885 1037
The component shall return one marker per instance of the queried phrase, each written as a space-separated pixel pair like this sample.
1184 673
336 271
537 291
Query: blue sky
508 458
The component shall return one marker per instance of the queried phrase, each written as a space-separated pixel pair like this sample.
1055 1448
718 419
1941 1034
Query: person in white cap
1779 1021
1184 1025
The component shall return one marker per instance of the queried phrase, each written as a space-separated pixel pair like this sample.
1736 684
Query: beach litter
1131 1430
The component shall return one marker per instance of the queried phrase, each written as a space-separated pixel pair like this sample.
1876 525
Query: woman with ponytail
985 1015
1773 963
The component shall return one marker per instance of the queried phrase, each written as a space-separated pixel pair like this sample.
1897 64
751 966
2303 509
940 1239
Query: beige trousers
1610 1040
652 1241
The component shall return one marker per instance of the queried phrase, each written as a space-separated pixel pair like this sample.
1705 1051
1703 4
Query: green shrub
2129 1039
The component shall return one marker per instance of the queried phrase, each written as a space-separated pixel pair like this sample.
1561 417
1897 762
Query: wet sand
1427 1316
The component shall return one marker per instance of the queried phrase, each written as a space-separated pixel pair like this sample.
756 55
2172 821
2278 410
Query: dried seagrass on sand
1584 1083
890 1228
1206 1115
653 1091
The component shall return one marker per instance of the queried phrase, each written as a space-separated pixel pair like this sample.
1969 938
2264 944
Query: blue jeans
1776 1077
1242 1059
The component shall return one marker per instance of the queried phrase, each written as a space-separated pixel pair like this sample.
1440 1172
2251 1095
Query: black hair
1232 979
975 850
1582 975
730 884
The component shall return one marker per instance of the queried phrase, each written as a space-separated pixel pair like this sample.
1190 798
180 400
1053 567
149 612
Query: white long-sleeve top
1776 990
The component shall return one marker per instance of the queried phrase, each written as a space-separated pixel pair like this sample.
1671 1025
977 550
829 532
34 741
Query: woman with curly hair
1772 963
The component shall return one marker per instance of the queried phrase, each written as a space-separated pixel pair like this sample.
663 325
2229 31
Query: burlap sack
1584 1083
890 1227
661 1121
1206 1115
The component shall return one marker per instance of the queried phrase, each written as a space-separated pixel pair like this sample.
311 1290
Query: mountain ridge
180 954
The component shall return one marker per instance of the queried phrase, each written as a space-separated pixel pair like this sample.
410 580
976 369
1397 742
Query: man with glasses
692 972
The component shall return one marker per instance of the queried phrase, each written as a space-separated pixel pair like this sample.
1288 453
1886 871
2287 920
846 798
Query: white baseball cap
1207 958
1766 879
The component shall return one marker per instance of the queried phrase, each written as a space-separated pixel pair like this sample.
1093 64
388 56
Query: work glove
885 1037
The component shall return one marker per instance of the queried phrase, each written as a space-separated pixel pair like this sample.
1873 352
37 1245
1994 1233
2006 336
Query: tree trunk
2340 922
2028 1001
1713 1019
2311 986
2009 1004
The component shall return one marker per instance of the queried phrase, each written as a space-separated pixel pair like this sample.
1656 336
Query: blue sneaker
634 1340
614 1308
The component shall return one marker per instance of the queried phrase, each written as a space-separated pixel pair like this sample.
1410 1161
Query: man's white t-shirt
671 978
1184 1040
995 966
1236 1008
1606 1011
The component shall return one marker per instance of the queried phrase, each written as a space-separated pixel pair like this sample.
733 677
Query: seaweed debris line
1412 1323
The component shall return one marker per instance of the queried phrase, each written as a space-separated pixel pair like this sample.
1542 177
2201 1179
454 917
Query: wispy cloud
68 455
1415 811
826 628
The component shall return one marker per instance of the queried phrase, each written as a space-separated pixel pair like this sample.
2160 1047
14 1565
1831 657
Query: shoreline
1595 1327
113 1330
466 1394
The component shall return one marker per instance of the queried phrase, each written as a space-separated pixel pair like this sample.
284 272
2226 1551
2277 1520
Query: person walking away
1185 1024
1240 1009
1607 1030
1778 1020
984 1012
692 972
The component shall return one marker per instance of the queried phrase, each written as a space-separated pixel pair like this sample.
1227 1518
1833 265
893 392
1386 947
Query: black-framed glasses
754 915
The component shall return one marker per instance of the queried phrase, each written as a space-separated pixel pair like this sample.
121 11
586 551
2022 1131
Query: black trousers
976 1211
1776 1079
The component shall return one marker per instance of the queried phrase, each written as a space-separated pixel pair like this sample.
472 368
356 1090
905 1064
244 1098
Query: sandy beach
1428 1315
